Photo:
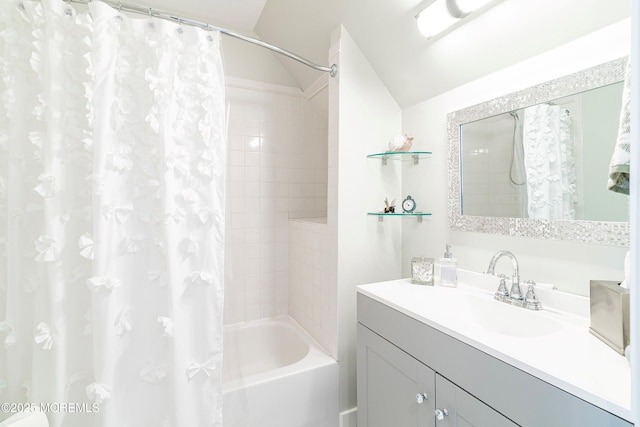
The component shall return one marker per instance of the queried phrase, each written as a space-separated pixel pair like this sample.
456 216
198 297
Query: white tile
281 204
267 174
237 205
253 221
253 282
267 159
282 175
251 266
281 189
267 236
236 173
236 142
267 311
252 174
267 189
268 292
267 207
236 236
251 235
253 113
251 204
295 190
236 158
251 252
251 143
236 252
252 128
238 220
252 312
252 189
267 145
252 158
236 189
281 264
282 282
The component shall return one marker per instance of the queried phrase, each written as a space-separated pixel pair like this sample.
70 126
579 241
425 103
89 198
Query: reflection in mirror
535 163
546 161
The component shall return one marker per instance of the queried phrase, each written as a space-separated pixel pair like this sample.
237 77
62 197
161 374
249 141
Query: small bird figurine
389 207
401 142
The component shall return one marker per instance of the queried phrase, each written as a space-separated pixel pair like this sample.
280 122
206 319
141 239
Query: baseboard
349 418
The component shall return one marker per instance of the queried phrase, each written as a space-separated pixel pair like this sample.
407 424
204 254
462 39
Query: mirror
507 176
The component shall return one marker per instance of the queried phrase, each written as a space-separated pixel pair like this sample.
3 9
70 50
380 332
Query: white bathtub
275 375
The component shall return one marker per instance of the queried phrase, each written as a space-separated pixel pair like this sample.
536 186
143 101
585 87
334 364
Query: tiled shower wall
487 188
277 169
312 278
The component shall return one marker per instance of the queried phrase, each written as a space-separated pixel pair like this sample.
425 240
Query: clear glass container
422 270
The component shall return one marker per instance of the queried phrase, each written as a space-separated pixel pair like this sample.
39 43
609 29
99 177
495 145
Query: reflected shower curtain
549 162
112 165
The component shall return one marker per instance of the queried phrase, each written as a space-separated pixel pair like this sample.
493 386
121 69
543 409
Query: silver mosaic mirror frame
598 232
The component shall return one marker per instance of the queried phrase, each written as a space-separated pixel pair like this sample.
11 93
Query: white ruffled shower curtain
112 166
549 163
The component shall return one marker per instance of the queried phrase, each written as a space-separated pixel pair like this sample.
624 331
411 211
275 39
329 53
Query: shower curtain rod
332 70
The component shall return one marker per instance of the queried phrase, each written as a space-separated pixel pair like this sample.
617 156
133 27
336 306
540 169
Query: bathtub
275 375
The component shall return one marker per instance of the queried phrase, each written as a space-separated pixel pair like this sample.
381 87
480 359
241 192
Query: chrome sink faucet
515 296
515 293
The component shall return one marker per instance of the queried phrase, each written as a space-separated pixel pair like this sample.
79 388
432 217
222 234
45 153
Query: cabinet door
392 385
464 410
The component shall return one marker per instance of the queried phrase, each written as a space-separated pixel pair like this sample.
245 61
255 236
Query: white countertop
569 357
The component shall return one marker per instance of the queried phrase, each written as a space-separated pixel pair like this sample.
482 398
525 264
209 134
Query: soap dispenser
446 269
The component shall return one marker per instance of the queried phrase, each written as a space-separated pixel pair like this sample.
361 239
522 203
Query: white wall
568 265
247 61
600 118
366 117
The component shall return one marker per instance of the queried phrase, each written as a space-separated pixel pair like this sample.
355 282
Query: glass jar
422 270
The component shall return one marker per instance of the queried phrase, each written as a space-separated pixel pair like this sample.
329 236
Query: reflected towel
619 167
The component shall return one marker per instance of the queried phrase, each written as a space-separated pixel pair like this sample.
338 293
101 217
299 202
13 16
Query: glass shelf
381 215
401 155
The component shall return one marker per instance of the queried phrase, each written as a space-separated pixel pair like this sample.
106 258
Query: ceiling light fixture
435 18
442 14
468 6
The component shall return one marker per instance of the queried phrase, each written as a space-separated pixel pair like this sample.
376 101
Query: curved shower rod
332 70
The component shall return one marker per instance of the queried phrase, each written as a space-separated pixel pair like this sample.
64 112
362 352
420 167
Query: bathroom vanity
455 357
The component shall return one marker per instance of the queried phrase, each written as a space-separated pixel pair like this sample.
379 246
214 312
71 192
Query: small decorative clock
408 205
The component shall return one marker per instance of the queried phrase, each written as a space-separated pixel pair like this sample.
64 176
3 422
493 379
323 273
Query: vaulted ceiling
411 67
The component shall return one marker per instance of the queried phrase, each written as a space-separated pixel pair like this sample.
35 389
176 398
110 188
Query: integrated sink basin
504 319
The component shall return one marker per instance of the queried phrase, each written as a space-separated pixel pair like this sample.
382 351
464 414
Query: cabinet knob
440 414
421 397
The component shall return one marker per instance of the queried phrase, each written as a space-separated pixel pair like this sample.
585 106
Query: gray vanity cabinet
464 410
399 357
395 389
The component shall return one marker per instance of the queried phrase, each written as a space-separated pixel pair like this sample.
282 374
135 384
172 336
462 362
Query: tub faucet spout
515 293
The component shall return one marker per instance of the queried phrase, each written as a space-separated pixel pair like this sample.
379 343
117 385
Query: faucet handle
516 292
531 291
531 299
502 288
